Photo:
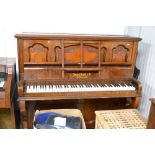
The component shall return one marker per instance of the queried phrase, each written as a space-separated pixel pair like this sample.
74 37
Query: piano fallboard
62 96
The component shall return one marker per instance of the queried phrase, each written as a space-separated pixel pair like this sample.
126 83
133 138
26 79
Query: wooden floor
5 119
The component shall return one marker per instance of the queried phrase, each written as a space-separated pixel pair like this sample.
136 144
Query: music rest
68 67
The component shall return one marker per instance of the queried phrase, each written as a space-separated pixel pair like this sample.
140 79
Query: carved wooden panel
103 54
120 54
72 54
90 54
105 51
38 53
58 53
55 51
81 54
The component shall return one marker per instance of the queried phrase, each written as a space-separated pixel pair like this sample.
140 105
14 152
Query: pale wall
146 63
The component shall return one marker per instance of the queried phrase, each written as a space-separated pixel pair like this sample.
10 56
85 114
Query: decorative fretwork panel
38 53
120 54
90 54
81 54
58 54
72 54
103 54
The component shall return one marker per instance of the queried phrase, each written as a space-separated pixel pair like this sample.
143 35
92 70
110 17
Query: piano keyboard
79 88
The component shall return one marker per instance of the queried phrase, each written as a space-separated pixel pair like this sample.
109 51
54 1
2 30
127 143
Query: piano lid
39 35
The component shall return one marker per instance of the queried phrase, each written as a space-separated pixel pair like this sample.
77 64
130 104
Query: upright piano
76 71
8 86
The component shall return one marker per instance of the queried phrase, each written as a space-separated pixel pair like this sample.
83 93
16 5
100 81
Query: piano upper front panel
62 58
75 52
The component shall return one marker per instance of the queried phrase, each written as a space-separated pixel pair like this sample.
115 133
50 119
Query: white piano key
38 89
47 88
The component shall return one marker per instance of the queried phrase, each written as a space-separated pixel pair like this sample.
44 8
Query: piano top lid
34 35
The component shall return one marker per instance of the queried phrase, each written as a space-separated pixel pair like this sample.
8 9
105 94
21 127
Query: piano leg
13 116
151 117
136 102
23 114
30 114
